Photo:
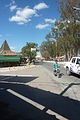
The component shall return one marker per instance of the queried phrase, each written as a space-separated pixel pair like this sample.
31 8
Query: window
73 60
78 61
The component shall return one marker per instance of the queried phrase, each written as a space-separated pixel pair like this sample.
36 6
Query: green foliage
64 32
47 49
69 17
26 50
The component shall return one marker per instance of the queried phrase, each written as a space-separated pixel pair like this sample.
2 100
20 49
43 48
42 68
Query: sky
23 21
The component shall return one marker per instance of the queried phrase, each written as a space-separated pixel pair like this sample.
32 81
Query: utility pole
56 50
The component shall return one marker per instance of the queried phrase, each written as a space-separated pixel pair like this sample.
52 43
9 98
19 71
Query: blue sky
24 21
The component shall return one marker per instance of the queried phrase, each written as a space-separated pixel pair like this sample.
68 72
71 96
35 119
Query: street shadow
69 86
75 75
61 74
13 108
72 74
21 110
19 79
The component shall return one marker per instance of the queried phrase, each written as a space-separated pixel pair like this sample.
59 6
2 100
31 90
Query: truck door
78 66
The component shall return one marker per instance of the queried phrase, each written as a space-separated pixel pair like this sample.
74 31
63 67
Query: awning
9 58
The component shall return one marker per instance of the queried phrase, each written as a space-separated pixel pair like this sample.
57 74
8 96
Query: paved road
36 94
72 78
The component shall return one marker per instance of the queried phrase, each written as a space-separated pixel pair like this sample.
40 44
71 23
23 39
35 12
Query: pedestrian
56 69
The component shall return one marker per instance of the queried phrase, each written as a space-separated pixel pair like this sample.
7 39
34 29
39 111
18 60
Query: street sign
33 49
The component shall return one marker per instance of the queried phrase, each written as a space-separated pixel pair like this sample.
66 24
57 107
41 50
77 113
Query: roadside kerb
63 63
6 69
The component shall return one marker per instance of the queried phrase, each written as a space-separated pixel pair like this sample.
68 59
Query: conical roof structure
5 46
5 50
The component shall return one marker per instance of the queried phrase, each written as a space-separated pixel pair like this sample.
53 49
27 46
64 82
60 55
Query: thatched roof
5 46
5 50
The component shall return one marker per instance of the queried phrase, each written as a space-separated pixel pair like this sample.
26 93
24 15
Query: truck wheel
67 71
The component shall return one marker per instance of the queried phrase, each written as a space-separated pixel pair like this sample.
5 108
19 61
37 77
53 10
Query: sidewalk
15 68
61 63
45 80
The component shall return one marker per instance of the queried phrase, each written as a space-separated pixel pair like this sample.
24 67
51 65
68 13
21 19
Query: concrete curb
63 63
6 69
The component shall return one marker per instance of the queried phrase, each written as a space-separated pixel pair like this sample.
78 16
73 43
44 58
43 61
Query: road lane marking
56 114
35 104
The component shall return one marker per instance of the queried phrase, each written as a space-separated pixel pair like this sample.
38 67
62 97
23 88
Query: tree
26 50
65 32
47 49
43 50
69 15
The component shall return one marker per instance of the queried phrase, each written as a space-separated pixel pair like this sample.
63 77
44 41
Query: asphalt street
69 83
36 94
71 78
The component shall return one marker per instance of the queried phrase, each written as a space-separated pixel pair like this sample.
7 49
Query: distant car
73 66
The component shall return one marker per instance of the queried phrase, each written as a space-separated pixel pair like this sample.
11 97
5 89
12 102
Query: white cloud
20 23
12 6
23 15
40 6
47 23
47 20
41 26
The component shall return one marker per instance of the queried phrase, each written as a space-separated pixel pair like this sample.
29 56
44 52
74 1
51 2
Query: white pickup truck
73 66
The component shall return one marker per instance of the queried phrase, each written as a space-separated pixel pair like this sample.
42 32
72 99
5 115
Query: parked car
73 66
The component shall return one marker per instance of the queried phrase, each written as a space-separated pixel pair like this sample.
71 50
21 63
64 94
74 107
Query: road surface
72 78
36 94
